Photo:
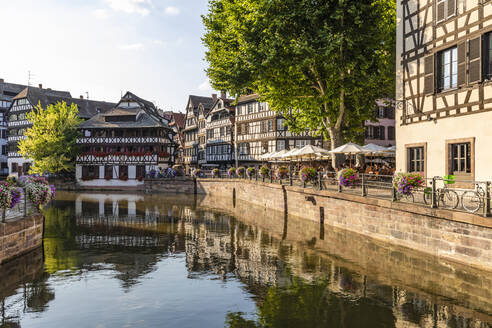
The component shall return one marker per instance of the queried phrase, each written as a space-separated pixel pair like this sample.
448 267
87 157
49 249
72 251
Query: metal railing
438 192
22 209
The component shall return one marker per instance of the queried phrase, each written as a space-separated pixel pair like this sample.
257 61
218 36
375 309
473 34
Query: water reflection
203 262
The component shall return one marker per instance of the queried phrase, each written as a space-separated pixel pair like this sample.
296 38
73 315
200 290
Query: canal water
116 260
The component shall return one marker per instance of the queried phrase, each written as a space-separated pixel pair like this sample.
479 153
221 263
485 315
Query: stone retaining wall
20 236
457 236
388 263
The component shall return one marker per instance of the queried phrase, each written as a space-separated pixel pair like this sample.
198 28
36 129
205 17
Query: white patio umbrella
278 154
290 154
390 151
349 149
267 155
310 152
374 149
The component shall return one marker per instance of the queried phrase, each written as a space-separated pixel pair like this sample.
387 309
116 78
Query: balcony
256 116
219 139
19 123
220 158
16 138
122 140
123 158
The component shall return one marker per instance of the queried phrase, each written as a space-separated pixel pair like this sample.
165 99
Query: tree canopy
320 63
51 141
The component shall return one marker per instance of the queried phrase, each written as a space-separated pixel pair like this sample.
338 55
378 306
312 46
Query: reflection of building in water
133 241
23 288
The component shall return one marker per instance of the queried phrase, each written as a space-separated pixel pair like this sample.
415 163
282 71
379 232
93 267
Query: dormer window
122 118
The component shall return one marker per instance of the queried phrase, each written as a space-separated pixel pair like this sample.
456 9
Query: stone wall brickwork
387 262
20 236
460 237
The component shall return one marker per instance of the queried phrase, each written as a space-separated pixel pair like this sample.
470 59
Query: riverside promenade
457 236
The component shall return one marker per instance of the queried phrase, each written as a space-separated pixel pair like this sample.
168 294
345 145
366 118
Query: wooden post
486 201
320 180
434 195
290 175
25 201
363 183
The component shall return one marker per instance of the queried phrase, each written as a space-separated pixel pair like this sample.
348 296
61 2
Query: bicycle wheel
427 196
471 201
408 198
449 199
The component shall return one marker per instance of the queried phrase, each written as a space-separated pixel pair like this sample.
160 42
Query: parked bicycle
445 197
473 200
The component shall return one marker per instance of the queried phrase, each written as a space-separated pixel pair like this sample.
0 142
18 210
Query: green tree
51 141
320 63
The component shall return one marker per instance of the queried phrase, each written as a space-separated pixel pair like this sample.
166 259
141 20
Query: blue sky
106 47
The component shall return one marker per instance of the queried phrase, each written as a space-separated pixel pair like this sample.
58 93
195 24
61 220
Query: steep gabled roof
207 102
178 120
10 90
87 108
248 98
147 115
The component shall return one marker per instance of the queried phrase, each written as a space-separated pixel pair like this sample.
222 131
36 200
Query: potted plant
216 173
241 171
123 177
282 172
231 172
179 170
39 192
107 177
348 177
251 172
140 178
308 174
405 183
197 173
264 171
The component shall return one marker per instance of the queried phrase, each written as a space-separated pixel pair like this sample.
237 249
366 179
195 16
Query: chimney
214 96
81 97
223 94
40 86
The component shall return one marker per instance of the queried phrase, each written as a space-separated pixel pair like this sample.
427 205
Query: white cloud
100 13
205 85
141 7
132 46
172 11
159 42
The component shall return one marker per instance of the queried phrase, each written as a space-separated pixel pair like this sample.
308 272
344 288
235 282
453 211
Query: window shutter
441 11
381 133
461 64
475 62
451 8
429 75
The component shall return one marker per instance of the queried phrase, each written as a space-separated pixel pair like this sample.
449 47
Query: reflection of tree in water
311 304
131 246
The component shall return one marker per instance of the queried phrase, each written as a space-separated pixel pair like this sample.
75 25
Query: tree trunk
336 140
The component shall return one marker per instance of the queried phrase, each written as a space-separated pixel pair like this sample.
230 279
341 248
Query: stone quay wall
457 236
20 235
386 263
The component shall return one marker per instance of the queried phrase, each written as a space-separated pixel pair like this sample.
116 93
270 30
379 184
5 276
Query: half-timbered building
26 101
261 130
220 133
7 92
123 144
444 87
191 143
